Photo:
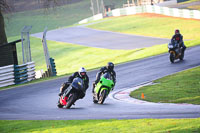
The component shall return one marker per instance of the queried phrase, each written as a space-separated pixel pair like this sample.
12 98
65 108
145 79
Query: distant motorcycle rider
179 38
81 74
109 68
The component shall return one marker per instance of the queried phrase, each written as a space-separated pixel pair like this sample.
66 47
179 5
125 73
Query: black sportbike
175 51
75 91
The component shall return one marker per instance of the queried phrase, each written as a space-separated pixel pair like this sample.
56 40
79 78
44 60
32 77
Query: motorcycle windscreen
175 44
78 84
107 76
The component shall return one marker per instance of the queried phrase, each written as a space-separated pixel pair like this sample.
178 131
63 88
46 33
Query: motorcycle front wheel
94 99
59 104
171 57
102 96
71 100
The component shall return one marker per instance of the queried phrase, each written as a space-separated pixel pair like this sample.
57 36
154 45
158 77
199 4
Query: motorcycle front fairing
173 46
76 85
106 81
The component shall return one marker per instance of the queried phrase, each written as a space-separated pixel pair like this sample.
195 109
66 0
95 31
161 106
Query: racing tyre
171 57
71 100
59 104
102 96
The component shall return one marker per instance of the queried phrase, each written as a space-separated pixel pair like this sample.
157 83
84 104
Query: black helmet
177 31
110 66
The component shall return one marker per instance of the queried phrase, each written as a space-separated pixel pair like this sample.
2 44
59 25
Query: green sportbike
103 88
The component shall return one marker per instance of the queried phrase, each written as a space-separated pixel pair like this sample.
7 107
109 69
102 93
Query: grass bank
106 126
69 57
53 18
182 87
154 25
187 2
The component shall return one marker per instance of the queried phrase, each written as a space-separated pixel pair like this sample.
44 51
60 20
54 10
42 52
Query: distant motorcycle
175 51
74 92
103 88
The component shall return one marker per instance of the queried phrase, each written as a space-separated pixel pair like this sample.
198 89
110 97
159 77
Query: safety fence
7 75
174 12
17 74
93 18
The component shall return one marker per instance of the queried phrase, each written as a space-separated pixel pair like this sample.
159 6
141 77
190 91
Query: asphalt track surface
38 101
100 39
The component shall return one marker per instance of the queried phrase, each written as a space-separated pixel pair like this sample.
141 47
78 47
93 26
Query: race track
38 101
101 39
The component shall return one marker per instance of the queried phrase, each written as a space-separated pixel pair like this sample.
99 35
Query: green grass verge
69 57
52 18
195 7
105 126
187 2
183 87
151 25
57 17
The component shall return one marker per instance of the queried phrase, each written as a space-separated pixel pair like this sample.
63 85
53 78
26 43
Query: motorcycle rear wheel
102 96
171 57
71 100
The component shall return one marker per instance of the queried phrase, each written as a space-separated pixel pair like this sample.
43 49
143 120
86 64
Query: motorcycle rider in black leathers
81 74
179 38
109 68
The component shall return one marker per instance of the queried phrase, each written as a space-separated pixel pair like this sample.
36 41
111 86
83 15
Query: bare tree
3 7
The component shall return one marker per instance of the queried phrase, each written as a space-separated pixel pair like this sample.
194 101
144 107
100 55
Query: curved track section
101 39
38 101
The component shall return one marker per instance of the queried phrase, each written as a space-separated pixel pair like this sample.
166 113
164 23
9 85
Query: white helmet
82 72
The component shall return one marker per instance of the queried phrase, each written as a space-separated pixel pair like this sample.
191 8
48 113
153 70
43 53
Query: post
92 7
27 51
22 47
98 5
46 51
29 47
103 9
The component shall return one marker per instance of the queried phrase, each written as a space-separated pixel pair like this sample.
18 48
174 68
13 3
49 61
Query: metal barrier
6 75
24 72
30 70
174 12
17 74
21 75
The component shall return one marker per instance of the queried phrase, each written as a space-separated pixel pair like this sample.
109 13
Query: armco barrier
30 70
24 72
6 75
183 13
93 18
21 75
174 12
17 74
